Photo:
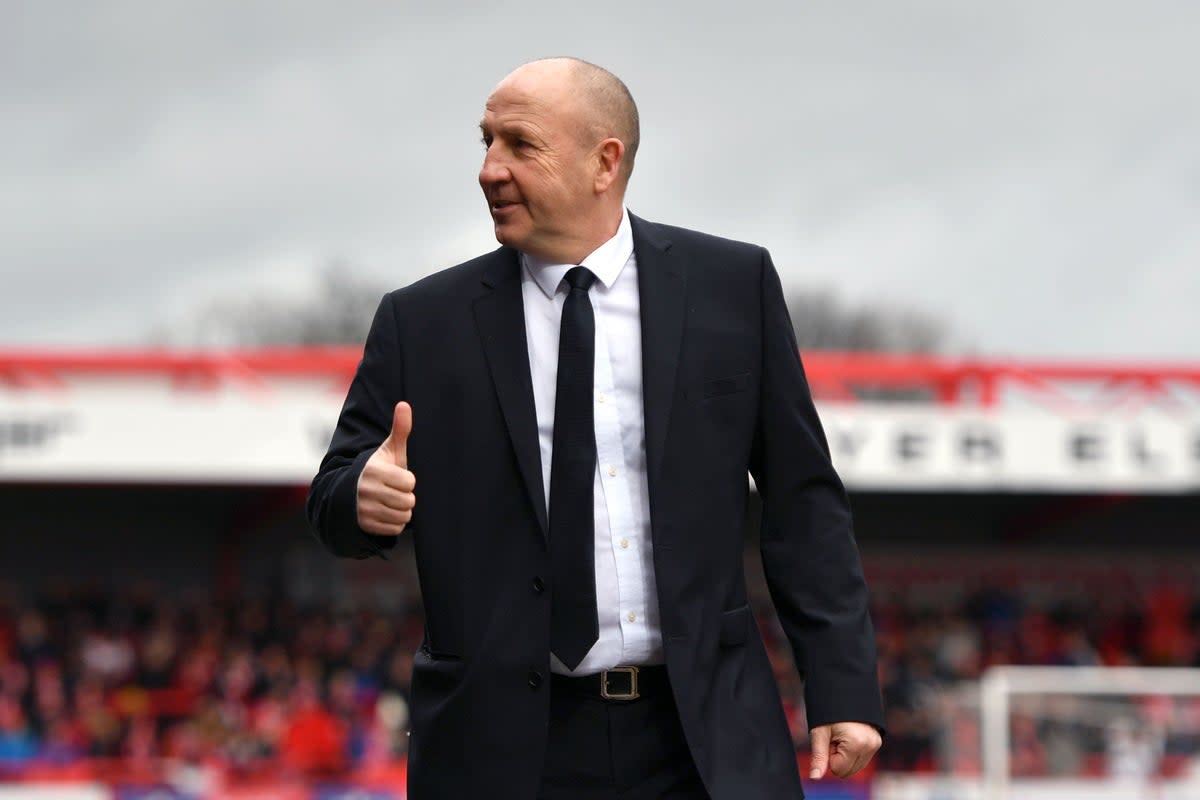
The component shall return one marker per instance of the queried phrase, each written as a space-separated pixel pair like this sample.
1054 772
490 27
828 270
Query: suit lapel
662 284
500 317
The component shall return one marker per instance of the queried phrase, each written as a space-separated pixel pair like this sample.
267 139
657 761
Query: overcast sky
1029 169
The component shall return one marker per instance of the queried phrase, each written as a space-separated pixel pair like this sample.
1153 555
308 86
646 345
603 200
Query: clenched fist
385 487
842 748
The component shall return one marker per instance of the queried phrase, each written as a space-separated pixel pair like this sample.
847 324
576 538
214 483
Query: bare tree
342 308
822 322
338 314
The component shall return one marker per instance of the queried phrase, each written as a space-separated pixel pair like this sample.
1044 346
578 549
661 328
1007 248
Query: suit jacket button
535 679
539 585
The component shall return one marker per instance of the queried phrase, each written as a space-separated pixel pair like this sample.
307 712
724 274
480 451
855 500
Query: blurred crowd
940 627
133 675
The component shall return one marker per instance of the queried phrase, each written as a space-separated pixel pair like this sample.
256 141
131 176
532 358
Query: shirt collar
606 262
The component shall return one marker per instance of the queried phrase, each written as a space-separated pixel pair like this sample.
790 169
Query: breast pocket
719 387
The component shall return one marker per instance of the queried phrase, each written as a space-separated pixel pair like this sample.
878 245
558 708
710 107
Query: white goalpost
1004 688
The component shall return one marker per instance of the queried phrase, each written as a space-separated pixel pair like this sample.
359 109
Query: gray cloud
1028 169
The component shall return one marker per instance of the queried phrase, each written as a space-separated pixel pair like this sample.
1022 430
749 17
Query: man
581 407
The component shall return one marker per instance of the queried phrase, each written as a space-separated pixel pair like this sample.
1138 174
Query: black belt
618 683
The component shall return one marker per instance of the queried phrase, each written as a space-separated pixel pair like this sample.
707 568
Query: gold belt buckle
632 694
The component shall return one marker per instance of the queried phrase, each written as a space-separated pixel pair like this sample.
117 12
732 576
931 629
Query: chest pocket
732 384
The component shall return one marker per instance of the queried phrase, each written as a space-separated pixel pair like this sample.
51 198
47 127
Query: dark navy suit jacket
725 393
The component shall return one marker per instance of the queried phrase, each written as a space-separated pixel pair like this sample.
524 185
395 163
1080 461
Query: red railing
834 377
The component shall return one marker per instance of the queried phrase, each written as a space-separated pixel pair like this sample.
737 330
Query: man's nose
493 170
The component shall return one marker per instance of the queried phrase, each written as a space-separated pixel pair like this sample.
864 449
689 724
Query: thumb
819 737
402 422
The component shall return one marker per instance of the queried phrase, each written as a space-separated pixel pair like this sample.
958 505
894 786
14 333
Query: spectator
17 741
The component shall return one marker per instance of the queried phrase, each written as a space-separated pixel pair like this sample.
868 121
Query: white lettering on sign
915 448
30 431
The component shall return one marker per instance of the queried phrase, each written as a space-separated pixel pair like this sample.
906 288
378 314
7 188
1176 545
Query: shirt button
600 398
632 617
624 544
535 679
612 471
539 585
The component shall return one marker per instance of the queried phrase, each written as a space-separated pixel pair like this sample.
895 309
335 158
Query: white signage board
148 433
223 436
935 448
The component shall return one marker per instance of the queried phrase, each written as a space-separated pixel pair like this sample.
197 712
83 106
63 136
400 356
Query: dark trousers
616 750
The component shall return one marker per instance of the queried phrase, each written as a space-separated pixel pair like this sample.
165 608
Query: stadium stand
168 622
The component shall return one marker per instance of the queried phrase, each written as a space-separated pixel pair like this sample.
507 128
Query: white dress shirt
626 595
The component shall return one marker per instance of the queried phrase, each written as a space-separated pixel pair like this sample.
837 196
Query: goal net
1094 732
1062 733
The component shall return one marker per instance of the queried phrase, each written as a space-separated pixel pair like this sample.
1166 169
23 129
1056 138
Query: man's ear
610 153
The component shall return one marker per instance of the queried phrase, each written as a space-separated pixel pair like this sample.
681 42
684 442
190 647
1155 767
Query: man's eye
486 141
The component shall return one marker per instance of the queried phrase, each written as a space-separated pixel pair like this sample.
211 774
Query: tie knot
580 278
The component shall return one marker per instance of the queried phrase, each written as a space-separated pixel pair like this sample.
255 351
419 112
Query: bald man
581 407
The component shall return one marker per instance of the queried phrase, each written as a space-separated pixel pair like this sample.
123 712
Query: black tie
574 626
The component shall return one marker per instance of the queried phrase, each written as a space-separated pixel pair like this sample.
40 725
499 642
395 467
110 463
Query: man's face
536 173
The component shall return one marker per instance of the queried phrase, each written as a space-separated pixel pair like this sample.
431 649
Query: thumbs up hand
385 487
